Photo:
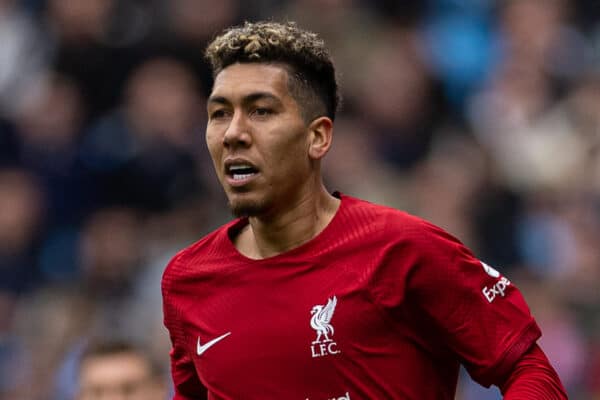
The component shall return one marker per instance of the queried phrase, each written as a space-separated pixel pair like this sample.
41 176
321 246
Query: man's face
257 139
118 377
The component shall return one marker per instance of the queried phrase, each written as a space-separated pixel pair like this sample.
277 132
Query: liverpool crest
321 322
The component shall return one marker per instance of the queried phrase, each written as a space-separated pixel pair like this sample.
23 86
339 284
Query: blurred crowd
482 116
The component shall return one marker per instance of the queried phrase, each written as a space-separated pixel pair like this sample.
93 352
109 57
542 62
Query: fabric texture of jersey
380 305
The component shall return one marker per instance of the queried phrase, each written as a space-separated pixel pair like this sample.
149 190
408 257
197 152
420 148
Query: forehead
113 368
239 80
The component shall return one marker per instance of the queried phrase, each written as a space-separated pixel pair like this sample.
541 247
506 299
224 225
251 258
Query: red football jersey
380 305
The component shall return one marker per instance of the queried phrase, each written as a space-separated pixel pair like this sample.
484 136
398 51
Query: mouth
240 172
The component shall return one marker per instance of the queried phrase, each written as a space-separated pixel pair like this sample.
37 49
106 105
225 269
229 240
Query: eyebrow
250 98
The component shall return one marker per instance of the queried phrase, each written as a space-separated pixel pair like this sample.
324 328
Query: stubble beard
247 208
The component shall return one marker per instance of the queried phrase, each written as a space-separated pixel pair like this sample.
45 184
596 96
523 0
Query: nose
238 132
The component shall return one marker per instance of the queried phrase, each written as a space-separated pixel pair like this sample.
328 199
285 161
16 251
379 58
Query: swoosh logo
201 348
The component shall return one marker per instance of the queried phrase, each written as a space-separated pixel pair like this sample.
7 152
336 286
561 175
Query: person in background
118 370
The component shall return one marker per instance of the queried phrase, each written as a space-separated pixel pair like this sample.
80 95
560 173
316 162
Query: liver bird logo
321 318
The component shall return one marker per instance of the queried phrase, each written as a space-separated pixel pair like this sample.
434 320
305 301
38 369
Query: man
119 371
308 295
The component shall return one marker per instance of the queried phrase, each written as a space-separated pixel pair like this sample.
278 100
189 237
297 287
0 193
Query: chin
247 208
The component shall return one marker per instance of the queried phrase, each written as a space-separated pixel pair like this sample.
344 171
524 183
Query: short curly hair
310 67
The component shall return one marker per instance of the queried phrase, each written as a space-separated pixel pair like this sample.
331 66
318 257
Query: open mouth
241 172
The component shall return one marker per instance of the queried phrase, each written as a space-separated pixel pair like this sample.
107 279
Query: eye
217 114
262 112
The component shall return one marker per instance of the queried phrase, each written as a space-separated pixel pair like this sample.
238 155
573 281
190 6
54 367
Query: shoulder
189 259
392 222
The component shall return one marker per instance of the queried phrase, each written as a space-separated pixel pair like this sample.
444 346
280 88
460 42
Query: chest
286 327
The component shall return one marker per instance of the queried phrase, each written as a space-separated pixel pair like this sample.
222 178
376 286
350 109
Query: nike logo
203 347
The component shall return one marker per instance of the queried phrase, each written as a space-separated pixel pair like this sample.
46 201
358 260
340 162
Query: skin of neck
286 229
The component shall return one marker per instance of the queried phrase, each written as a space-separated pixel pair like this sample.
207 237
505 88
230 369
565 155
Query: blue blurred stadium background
482 116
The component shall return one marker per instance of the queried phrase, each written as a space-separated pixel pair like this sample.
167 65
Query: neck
267 236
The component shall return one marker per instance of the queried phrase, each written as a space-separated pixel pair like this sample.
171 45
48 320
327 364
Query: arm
186 383
480 314
532 377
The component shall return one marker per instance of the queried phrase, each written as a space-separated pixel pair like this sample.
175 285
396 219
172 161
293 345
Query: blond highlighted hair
312 81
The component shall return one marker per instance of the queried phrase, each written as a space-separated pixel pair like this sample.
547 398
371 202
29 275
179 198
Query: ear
320 137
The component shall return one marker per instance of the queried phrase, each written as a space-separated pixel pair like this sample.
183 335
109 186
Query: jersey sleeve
533 378
187 384
478 314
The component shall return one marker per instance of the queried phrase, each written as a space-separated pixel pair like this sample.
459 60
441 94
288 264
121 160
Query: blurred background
482 116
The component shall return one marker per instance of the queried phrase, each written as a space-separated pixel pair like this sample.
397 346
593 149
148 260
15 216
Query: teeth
241 171
239 177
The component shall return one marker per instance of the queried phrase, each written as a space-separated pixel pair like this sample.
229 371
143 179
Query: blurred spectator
50 128
46 325
353 166
23 57
188 26
198 20
110 259
97 43
460 45
119 371
496 212
514 116
144 153
507 119
443 186
110 255
400 108
540 34
21 218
